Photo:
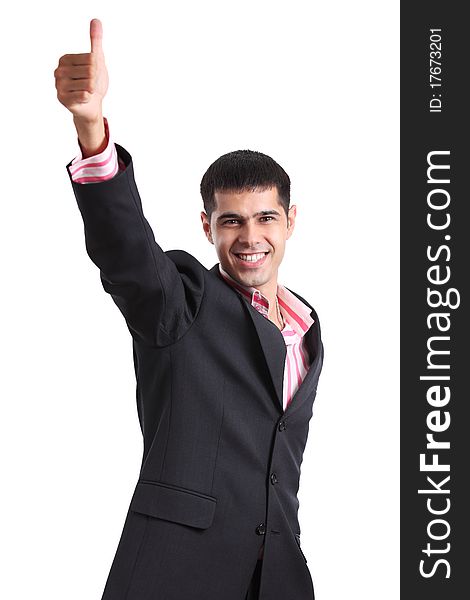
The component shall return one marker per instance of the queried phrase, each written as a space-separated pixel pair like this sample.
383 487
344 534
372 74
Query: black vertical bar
435 267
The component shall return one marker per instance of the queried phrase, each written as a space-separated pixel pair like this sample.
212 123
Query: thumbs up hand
81 80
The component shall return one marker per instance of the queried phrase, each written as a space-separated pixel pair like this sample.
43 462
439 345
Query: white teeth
251 257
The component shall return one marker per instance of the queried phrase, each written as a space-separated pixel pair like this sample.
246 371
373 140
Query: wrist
91 135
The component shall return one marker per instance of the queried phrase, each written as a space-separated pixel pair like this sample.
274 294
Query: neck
269 290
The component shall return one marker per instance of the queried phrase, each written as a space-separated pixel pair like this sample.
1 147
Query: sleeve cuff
96 168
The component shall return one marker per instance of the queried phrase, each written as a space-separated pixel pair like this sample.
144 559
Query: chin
255 280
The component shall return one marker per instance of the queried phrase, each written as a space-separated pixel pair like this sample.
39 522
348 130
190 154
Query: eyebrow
233 215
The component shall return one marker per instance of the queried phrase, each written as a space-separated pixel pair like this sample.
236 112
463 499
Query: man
227 363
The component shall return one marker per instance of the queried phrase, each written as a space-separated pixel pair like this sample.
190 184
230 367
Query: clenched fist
81 80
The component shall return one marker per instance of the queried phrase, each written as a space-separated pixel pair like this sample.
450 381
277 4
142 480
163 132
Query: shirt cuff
100 167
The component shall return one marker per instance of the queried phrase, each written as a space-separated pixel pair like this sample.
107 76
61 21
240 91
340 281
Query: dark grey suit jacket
221 462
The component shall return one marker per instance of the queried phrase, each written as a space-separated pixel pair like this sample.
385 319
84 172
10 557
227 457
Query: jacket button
273 478
261 529
282 426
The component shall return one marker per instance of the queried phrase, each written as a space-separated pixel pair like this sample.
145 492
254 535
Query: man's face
249 231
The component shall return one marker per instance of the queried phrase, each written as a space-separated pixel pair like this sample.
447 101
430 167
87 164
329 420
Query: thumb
96 35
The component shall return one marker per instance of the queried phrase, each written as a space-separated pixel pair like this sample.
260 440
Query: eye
230 221
267 217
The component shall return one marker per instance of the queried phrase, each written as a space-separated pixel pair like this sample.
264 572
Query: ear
206 226
292 213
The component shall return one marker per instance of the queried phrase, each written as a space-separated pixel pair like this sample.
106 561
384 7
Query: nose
249 236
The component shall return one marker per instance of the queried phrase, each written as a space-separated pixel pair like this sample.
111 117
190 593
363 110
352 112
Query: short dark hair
244 170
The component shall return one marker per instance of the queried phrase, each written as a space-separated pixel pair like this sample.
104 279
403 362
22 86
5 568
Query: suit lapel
274 347
271 340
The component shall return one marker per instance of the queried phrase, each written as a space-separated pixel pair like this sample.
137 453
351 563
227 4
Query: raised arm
159 296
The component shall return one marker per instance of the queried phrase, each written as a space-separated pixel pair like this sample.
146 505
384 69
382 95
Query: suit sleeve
158 296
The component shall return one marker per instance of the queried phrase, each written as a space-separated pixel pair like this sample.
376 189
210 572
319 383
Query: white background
314 85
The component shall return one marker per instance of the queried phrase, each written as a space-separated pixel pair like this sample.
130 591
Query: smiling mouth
252 258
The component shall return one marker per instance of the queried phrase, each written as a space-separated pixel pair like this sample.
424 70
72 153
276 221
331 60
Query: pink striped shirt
296 314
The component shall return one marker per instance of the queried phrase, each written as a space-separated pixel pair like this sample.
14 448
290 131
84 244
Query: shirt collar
293 310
